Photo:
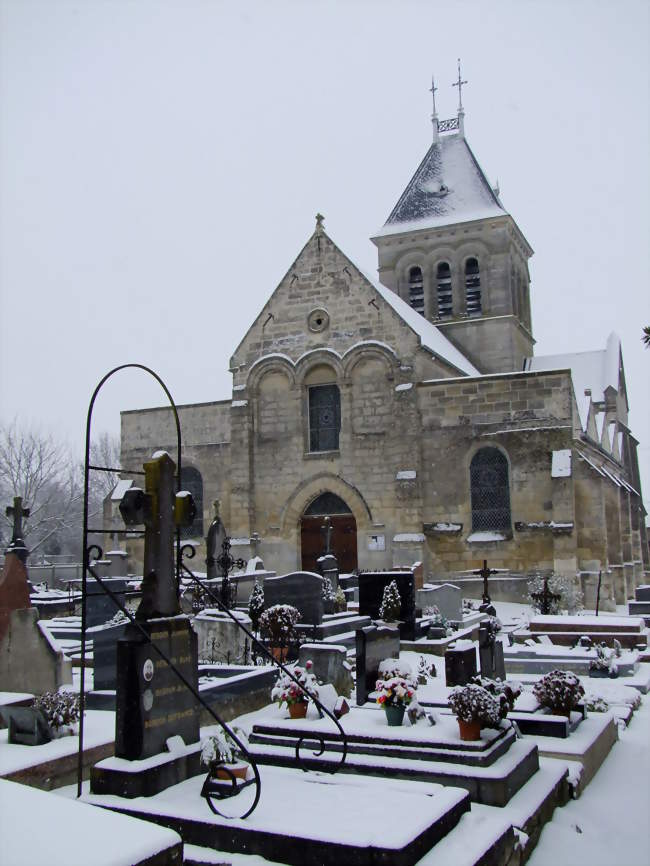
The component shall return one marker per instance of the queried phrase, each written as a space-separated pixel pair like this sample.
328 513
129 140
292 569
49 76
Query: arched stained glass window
416 290
490 491
324 417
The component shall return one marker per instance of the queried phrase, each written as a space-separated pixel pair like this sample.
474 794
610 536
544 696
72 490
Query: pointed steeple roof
448 187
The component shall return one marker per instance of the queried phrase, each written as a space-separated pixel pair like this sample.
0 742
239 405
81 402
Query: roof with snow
430 336
449 186
593 371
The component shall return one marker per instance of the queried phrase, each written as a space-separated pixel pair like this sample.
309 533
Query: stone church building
412 410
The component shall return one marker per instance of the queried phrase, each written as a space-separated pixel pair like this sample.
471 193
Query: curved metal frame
87 550
189 551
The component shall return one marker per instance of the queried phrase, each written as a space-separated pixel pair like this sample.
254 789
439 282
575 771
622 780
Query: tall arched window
416 290
443 284
490 491
324 417
472 288
191 480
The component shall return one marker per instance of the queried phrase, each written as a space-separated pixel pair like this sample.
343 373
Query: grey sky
161 164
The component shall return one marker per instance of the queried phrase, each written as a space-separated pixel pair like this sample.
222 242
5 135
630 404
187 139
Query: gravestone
213 542
220 639
371 592
118 560
373 645
105 638
446 597
100 607
152 703
14 584
329 567
460 665
30 660
490 653
301 589
330 665
27 726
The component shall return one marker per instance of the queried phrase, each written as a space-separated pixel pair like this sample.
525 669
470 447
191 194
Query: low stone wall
501 587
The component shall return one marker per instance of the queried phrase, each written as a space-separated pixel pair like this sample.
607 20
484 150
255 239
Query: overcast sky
161 164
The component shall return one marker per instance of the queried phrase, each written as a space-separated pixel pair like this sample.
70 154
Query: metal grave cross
227 562
485 573
545 597
459 85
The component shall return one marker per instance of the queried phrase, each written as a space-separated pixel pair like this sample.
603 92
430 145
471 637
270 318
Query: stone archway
343 541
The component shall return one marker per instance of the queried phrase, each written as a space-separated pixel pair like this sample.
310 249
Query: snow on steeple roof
448 187
590 371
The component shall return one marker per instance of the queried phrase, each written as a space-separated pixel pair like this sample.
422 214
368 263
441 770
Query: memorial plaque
153 704
373 644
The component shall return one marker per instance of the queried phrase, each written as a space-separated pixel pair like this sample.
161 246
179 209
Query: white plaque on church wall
561 465
376 542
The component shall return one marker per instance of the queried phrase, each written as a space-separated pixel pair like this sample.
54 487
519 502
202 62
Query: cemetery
199 721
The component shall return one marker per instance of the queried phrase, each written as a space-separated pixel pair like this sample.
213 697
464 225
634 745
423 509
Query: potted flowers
61 711
560 691
474 708
278 624
603 665
296 695
395 690
221 755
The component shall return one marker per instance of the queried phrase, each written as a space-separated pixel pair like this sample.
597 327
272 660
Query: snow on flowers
287 691
396 686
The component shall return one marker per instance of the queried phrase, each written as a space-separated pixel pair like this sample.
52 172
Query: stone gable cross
18 512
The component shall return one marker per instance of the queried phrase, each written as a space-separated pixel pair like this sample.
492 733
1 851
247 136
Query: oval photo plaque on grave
147 670
147 700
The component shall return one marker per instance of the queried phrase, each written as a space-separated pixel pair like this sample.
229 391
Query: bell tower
451 250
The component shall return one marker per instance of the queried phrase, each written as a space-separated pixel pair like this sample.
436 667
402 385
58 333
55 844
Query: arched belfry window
191 480
416 290
472 288
324 417
490 491
443 284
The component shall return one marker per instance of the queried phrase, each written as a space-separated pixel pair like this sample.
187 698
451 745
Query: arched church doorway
343 541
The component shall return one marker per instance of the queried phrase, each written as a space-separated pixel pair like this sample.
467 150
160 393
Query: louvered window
490 491
416 290
443 279
324 417
472 288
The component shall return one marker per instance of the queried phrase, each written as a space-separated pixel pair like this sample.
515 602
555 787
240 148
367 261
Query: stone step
341 624
492 786
475 754
638 608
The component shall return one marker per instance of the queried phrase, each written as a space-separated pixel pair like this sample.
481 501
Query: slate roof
448 187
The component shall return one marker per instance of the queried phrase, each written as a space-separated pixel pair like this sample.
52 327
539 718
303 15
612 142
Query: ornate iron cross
459 85
227 562
545 597
485 573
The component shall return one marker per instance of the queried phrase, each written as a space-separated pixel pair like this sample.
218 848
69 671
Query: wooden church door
343 541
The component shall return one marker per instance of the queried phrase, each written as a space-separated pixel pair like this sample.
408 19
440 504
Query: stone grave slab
105 638
26 726
490 653
330 665
446 597
220 639
301 589
14 589
373 645
30 660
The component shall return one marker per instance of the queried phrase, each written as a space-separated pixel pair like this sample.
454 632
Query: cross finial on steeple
434 116
319 220
459 85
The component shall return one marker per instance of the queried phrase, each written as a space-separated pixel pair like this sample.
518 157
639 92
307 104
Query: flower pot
298 710
238 770
394 714
280 653
469 730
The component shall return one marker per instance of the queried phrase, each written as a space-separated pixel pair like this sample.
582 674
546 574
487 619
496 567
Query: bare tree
104 452
42 471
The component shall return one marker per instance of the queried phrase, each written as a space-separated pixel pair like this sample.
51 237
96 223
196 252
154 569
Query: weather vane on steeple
459 85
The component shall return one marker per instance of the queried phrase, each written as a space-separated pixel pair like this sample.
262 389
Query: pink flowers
287 691
395 691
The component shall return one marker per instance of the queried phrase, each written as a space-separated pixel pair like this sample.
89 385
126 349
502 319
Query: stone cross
485 572
327 530
17 545
545 597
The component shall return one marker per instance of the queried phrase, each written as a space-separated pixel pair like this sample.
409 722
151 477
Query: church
412 410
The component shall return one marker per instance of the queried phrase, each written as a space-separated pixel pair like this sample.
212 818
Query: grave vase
280 653
469 730
298 710
227 771
394 714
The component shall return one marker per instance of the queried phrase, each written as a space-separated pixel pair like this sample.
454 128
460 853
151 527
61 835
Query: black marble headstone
27 726
301 589
373 644
371 593
105 640
100 607
152 702
460 666
491 656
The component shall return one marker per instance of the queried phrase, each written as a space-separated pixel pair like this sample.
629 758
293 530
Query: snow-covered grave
631 632
53 836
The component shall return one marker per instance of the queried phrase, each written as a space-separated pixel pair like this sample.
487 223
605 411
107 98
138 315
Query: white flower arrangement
220 748
288 692
61 710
